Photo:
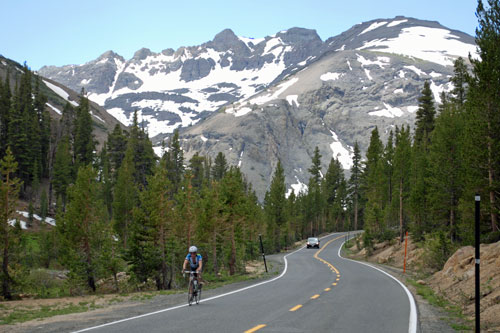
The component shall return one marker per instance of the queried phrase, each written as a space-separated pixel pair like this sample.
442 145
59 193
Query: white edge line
412 326
203 300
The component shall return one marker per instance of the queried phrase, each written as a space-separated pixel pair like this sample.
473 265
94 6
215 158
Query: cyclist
195 262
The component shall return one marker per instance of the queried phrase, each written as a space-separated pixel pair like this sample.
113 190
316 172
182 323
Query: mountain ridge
280 96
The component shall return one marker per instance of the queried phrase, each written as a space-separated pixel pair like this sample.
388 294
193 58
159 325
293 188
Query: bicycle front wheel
198 295
190 294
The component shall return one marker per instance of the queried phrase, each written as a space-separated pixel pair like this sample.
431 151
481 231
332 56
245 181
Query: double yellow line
295 308
323 260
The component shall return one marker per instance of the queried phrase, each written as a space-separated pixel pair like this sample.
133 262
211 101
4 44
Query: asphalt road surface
318 291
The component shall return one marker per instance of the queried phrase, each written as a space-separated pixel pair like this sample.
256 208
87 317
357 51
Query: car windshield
312 240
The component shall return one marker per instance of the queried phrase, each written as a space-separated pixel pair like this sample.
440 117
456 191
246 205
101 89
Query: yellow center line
323 260
334 284
327 289
295 308
256 328
314 296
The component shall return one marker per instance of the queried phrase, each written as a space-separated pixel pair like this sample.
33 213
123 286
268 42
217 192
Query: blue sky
57 32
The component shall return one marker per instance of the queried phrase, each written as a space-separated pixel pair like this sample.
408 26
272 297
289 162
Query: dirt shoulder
452 287
74 313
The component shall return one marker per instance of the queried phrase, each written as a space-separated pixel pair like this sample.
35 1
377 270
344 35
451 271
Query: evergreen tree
315 169
116 146
125 197
174 161
155 215
445 184
196 166
424 121
84 230
219 168
62 170
355 183
483 115
9 192
274 206
5 106
402 166
84 144
460 82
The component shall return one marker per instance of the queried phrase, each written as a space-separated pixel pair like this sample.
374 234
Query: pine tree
424 121
116 146
5 106
402 166
84 230
125 197
460 82
174 161
315 169
197 170
483 113
219 168
355 183
274 206
84 144
445 169
373 183
9 192
155 212
62 170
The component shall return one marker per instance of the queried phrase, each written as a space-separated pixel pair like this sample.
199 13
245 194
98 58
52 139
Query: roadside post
262 250
477 243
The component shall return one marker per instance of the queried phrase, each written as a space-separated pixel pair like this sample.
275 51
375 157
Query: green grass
456 319
20 315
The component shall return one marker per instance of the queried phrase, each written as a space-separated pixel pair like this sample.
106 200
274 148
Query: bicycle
194 289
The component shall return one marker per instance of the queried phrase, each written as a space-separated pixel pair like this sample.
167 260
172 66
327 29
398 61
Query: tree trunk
5 268
214 252
356 211
491 180
232 260
401 208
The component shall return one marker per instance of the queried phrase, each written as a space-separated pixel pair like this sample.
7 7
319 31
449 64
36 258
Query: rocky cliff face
260 100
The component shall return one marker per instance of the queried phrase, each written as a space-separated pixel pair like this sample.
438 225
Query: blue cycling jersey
194 262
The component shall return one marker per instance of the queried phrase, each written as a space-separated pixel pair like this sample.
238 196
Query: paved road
317 292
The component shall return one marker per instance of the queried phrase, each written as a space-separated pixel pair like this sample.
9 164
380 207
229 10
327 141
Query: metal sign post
262 250
477 236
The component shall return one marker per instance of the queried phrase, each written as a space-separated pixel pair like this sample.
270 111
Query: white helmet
193 249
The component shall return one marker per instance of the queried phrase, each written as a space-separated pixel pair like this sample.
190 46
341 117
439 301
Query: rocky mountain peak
299 36
142 54
226 40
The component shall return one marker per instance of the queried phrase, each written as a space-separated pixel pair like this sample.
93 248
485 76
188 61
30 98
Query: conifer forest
120 208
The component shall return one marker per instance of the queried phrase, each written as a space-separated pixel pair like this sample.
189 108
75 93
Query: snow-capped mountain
178 88
279 96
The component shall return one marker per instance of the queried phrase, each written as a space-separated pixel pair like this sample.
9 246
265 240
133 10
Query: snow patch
431 44
395 23
54 108
340 152
373 26
331 76
292 99
416 70
412 108
389 112
61 92
399 91
367 72
203 138
297 188
349 64
85 81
